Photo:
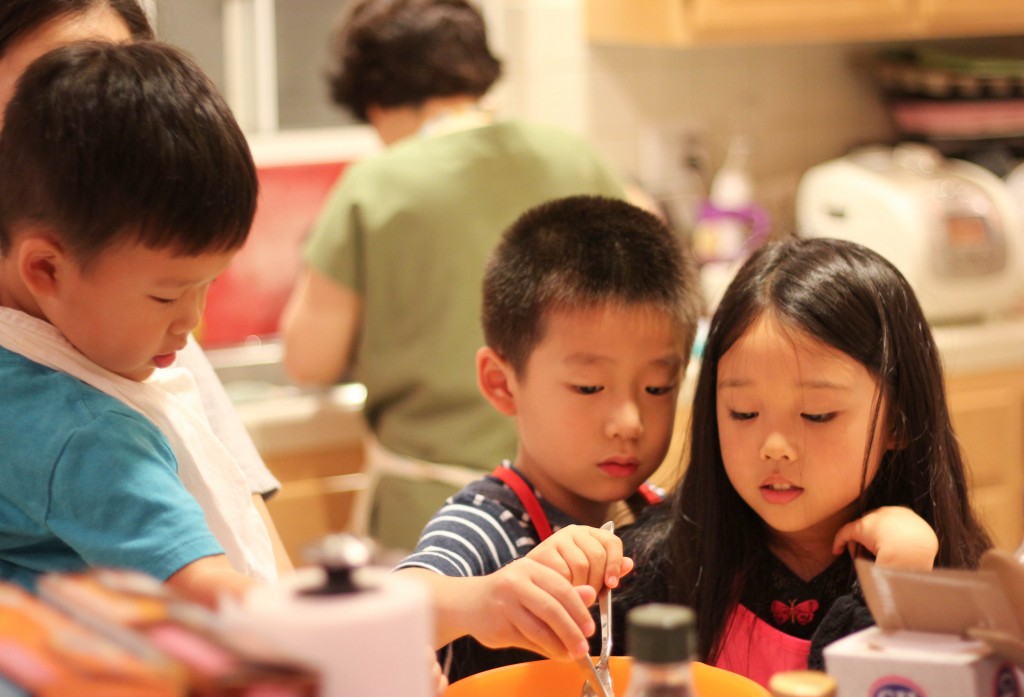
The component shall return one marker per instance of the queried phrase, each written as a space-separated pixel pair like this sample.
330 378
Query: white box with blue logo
878 663
945 633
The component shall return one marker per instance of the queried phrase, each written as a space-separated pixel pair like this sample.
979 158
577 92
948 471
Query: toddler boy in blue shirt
127 187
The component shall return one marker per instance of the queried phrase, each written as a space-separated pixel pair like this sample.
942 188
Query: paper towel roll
372 643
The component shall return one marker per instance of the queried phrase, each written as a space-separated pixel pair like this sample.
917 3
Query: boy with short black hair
127 188
589 312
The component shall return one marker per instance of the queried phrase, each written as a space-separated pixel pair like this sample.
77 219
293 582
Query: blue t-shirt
86 481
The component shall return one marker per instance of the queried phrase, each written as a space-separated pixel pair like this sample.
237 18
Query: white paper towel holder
367 632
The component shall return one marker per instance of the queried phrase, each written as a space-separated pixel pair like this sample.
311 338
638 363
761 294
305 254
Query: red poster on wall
247 299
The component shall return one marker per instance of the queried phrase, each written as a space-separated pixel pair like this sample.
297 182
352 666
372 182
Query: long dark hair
19 17
853 300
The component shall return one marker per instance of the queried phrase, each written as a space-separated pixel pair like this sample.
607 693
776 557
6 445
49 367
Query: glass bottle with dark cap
662 640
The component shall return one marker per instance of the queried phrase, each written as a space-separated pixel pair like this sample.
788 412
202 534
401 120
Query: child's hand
529 605
898 537
584 555
437 674
538 602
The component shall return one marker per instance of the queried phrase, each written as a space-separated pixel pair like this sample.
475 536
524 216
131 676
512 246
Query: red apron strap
528 499
649 494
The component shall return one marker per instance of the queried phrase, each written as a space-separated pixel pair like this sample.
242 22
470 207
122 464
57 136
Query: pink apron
754 648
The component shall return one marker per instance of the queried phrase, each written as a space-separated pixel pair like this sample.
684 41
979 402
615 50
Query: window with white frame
268 57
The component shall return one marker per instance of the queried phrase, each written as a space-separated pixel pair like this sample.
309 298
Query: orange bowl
558 679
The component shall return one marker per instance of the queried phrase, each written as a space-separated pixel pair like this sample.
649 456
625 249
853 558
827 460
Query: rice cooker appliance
950 226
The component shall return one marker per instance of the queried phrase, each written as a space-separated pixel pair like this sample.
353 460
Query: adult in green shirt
390 295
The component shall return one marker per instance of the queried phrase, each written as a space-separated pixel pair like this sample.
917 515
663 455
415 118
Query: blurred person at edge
30 28
390 295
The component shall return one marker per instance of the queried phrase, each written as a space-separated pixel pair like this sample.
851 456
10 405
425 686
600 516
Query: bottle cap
661 633
802 683
340 555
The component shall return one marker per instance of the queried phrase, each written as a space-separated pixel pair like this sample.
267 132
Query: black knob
339 555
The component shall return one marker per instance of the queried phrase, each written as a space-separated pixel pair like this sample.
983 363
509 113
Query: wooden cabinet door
988 415
801 20
638 22
685 22
963 18
317 496
694 22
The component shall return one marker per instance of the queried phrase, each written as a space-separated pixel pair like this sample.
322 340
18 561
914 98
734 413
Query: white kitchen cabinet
698 22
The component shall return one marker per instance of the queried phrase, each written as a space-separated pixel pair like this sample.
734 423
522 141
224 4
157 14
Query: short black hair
20 17
105 142
393 53
582 252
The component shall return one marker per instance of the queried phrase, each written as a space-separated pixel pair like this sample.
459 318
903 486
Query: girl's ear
40 260
496 380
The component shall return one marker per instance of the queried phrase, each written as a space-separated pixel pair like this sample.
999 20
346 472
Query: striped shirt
479 530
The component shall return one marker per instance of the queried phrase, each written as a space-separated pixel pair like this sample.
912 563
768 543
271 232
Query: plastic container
729 225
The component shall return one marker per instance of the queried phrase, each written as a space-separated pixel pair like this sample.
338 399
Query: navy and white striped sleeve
470 536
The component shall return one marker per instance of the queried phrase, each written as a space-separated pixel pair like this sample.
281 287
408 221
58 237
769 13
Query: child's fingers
845 536
613 558
604 553
549 554
895 535
626 567
540 611
584 555
587 557
437 674
858 532
557 618
536 635
588 596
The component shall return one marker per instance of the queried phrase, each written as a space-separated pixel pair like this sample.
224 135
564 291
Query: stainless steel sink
280 415
311 440
253 370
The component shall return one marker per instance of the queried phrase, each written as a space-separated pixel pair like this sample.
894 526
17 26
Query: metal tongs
599 678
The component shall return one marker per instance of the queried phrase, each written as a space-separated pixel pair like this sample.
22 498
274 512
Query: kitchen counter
280 416
982 347
307 420
312 441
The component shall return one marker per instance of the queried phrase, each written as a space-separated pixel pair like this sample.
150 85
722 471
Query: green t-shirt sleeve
336 243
